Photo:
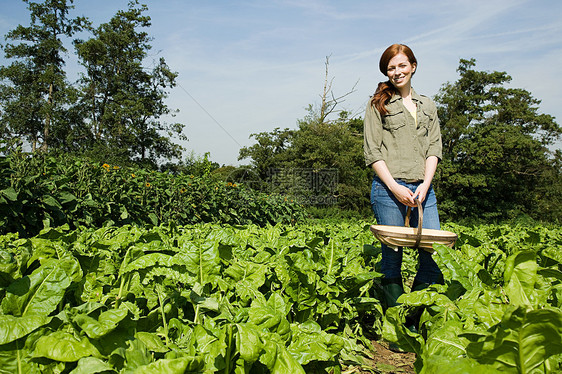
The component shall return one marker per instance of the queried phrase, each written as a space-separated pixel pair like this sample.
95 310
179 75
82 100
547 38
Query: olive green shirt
397 139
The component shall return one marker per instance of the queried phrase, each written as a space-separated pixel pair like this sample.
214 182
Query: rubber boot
392 289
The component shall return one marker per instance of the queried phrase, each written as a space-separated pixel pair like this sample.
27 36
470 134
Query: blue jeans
389 211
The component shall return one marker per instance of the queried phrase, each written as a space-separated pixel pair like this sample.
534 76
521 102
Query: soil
385 361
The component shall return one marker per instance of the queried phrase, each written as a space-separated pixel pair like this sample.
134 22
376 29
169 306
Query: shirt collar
415 97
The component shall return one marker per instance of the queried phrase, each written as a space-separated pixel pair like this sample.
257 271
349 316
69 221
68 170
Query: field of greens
219 298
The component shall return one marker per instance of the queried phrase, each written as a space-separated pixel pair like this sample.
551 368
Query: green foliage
114 112
496 161
44 191
272 150
273 299
122 99
317 146
197 298
499 308
34 92
197 165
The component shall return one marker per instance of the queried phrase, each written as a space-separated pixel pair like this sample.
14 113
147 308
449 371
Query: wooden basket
406 236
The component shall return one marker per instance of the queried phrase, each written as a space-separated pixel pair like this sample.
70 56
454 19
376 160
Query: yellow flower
105 166
116 167
147 184
133 175
183 190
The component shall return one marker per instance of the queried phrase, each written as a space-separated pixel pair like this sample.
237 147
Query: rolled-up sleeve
372 135
435 144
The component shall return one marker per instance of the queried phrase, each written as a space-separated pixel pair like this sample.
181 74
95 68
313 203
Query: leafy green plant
48 191
199 297
244 298
510 322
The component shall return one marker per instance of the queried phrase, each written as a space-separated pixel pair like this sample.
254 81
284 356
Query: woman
402 144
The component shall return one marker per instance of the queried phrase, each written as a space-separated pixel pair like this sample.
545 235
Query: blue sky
249 66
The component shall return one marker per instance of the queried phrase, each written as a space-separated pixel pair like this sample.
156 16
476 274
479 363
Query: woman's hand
421 191
403 194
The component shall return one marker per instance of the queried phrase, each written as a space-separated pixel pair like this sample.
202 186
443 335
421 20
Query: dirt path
385 361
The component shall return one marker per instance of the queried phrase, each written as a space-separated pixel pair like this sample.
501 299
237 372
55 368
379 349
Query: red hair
385 90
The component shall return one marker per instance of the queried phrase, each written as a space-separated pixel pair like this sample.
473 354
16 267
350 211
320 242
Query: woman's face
400 71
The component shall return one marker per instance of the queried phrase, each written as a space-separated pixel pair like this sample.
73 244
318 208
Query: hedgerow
39 191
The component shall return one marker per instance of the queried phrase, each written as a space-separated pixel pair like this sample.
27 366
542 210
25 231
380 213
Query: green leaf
247 278
66 197
152 342
211 345
460 268
51 202
520 276
204 303
445 341
16 357
443 364
551 273
38 293
310 343
106 322
522 342
278 360
91 365
249 343
13 328
149 260
65 347
488 306
270 315
249 272
427 297
153 218
10 194
9 268
181 365
201 261
136 355
395 331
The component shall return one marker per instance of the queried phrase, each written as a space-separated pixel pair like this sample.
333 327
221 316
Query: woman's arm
430 168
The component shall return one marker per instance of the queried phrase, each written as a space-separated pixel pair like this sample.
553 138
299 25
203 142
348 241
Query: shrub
41 191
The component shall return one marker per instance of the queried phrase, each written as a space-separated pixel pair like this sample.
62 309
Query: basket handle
420 221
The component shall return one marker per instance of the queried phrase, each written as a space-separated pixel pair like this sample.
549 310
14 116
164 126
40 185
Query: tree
34 93
124 100
322 157
272 150
335 145
495 146
329 103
